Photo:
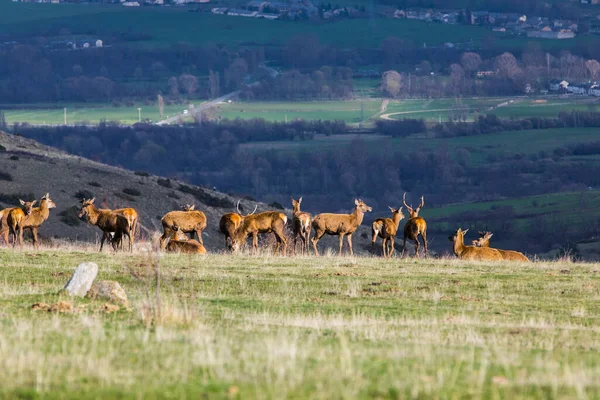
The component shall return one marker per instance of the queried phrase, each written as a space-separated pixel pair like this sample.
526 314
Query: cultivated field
265 327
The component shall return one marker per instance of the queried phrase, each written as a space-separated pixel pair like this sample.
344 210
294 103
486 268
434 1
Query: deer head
484 239
396 212
188 207
178 234
86 205
296 204
361 206
413 212
458 236
48 200
27 206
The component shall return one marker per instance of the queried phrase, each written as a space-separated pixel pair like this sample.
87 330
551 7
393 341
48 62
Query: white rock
82 279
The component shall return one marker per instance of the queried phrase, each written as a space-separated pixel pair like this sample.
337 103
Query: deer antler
255 208
237 207
409 208
422 203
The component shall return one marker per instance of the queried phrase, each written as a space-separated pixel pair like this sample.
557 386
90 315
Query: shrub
132 192
14 158
141 173
164 183
13 199
276 205
84 194
69 216
173 195
94 184
5 176
2 148
124 196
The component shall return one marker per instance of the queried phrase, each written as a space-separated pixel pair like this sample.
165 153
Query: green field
349 111
85 113
168 25
265 327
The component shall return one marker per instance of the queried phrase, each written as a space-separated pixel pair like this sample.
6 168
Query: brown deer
264 222
230 222
38 216
4 229
414 227
16 217
191 221
180 243
339 224
471 252
120 222
386 229
511 255
300 225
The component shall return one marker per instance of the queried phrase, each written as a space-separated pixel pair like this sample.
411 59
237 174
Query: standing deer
190 221
120 222
511 255
339 224
471 252
180 243
230 222
301 225
386 229
414 227
4 228
37 217
264 222
16 217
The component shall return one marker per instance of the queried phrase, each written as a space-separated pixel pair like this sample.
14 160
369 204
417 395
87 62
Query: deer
414 227
300 225
189 220
120 222
471 252
4 229
230 222
37 217
339 224
15 219
264 222
511 255
180 243
386 229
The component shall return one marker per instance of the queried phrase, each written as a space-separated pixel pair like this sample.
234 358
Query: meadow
265 327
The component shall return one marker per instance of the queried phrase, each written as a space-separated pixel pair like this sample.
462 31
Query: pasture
265 327
94 113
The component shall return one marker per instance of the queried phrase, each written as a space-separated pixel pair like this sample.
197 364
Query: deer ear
22 202
490 235
33 202
465 231
300 200
356 202
392 209
92 200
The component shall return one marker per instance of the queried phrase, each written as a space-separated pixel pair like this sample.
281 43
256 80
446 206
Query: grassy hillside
263 327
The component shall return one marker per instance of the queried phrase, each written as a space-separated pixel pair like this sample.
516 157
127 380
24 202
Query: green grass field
53 114
265 327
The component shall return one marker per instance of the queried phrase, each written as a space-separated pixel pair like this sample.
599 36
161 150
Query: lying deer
38 216
264 222
414 227
339 224
16 218
471 252
110 221
300 225
386 229
230 222
511 255
188 220
180 243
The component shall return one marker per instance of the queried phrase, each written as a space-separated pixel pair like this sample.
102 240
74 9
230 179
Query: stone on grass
82 279
108 290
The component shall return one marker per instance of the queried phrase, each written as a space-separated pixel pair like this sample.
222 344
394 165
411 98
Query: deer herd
237 227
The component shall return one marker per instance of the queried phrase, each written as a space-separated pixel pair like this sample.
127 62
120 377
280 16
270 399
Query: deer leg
131 239
21 237
315 240
417 246
424 235
255 242
373 239
295 243
349 239
34 233
341 243
102 240
163 239
199 233
383 246
392 250
403 247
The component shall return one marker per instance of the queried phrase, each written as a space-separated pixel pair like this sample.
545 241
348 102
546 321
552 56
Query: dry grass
303 327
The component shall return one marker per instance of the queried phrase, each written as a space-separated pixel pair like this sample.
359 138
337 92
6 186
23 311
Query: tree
104 86
3 124
189 83
470 62
161 105
236 72
214 83
457 76
173 86
593 67
507 65
391 83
